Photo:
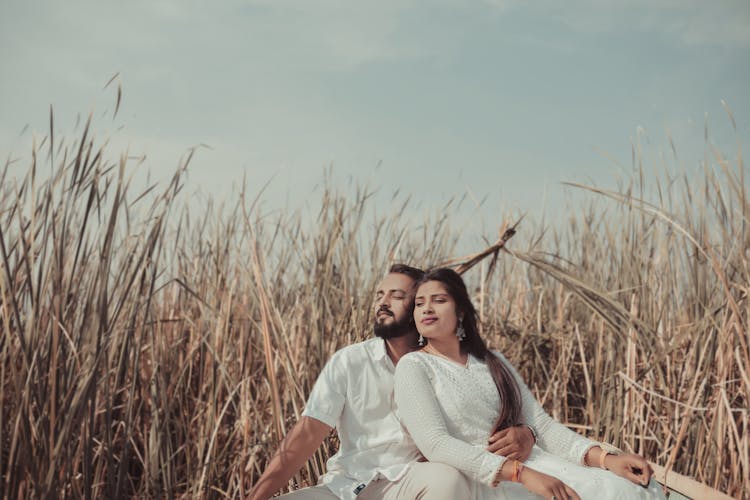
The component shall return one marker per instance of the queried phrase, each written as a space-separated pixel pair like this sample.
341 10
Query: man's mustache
383 309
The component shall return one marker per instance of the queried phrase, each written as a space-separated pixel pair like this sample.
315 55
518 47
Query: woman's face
435 311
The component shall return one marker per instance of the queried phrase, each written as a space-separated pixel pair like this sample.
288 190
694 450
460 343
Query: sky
495 100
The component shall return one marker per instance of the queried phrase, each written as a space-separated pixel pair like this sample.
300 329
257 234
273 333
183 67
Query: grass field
158 351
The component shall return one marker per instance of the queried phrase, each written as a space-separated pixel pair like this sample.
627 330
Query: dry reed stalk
154 353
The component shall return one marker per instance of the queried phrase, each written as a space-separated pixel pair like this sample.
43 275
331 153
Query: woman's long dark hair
507 388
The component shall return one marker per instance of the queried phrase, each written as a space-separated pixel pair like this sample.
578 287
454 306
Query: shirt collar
377 349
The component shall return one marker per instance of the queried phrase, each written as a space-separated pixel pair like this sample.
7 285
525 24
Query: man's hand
630 466
514 443
299 445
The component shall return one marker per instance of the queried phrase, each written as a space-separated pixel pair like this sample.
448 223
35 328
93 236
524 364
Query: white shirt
354 394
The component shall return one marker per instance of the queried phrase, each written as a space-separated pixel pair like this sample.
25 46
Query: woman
449 398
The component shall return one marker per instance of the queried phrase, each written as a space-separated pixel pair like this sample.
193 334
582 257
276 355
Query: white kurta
450 410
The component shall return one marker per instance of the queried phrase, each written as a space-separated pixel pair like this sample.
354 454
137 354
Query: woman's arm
632 467
421 414
563 442
552 436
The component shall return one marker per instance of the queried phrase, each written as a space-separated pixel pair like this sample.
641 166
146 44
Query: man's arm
298 446
513 442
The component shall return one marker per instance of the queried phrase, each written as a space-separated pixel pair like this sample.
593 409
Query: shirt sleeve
552 436
327 398
420 413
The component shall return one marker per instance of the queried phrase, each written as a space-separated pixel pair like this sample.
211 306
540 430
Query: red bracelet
517 470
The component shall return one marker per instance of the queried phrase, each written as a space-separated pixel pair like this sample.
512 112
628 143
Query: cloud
339 35
690 22
300 83
699 23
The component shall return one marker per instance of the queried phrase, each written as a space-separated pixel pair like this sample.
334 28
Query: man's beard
393 330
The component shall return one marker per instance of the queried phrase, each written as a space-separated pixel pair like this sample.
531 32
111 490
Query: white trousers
423 481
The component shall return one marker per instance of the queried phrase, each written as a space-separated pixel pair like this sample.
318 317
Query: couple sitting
446 397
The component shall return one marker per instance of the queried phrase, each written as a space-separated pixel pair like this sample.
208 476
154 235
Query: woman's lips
428 321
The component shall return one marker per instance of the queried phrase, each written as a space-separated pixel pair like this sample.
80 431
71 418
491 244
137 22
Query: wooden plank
686 486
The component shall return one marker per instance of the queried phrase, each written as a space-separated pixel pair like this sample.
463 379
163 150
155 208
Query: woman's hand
547 486
632 467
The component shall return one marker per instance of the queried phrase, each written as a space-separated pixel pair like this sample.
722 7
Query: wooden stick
685 485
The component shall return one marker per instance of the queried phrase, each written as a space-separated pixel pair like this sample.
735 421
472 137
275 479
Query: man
354 393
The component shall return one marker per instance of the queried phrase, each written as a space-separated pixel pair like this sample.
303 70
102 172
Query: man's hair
412 272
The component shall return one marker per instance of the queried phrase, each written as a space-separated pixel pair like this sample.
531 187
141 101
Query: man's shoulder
359 352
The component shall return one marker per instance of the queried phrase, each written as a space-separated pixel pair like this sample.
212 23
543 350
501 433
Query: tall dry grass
156 351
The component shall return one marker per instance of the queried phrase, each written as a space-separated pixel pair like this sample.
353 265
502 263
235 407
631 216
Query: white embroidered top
450 411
